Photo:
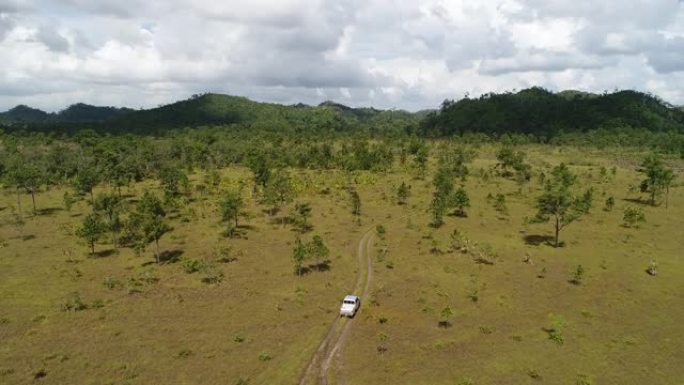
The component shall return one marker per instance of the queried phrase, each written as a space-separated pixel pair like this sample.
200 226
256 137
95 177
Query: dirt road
326 361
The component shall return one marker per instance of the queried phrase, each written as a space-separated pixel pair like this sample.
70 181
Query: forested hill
76 113
217 110
544 114
532 111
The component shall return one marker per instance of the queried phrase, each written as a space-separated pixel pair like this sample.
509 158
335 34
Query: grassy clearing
146 323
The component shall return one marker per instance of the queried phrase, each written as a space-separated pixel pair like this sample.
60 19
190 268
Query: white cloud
387 53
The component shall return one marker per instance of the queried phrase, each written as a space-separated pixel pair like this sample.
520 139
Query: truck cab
350 305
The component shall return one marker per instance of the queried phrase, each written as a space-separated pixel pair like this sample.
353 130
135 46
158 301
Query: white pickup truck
350 305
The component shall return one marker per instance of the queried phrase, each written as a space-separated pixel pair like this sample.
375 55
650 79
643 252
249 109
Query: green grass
146 323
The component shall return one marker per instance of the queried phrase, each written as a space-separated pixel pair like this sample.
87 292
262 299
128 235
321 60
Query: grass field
157 324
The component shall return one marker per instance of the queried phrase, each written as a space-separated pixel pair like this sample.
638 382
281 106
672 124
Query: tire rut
332 344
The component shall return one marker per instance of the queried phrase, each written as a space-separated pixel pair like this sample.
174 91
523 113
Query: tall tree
658 178
91 230
558 202
149 221
109 204
87 177
299 255
318 250
279 190
230 205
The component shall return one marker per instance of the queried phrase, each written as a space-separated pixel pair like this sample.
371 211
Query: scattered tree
91 230
109 205
230 205
302 214
460 200
317 250
279 191
403 193
512 161
558 202
149 222
658 178
299 254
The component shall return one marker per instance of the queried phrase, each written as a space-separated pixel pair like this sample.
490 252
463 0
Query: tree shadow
444 324
458 214
536 239
638 201
239 232
49 210
320 266
104 253
28 237
170 256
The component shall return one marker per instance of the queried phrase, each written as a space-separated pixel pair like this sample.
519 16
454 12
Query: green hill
24 114
531 111
542 113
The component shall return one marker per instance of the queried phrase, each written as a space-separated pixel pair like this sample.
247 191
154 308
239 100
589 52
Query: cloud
541 62
386 53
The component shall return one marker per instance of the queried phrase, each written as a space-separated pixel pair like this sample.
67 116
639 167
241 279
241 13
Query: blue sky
385 53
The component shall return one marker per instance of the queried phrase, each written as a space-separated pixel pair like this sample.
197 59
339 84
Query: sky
409 54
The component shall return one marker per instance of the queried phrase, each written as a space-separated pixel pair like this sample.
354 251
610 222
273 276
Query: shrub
263 357
194 265
610 203
213 278
577 275
633 216
73 303
380 231
555 332
112 283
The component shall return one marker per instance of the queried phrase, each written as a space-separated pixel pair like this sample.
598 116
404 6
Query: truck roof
350 298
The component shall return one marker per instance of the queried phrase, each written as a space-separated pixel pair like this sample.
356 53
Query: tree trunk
33 199
236 221
667 196
92 199
19 201
156 250
92 248
557 230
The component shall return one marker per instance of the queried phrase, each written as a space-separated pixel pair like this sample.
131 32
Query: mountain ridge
533 110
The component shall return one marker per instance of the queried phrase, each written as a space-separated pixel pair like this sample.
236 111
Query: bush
195 265
263 357
74 303
380 230
112 283
633 216
577 275
555 332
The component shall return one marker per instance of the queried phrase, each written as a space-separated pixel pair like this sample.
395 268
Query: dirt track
328 354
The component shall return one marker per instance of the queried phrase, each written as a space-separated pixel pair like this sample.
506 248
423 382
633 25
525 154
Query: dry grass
262 324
